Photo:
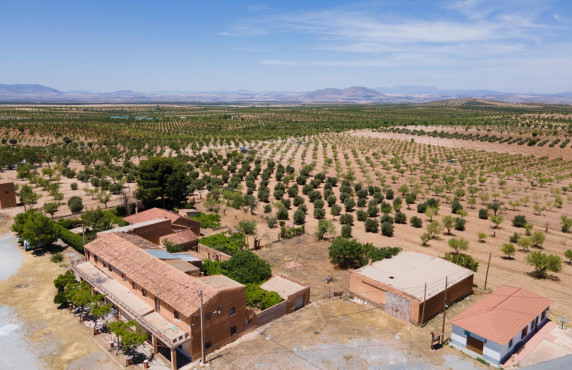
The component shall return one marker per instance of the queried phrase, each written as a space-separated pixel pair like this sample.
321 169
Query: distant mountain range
32 93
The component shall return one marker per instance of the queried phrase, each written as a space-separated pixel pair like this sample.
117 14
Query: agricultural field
464 178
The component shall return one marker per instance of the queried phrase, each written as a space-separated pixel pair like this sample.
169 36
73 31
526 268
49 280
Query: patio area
549 343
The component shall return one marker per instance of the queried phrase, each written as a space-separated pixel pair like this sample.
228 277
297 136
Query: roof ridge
504 299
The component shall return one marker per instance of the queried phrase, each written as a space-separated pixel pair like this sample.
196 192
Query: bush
483 214
350 253
208 220
371 225
346 231
271 222
544 262
362 215
75 204
460 223
386 218
347 219
257 297
74 186
73 240
519 221
244 267
514 238
299 217
400 218
267 208
282 214
462 260
421 207
224 243
246 227
389 194
416 222
387 229
172 247
378 254
57 257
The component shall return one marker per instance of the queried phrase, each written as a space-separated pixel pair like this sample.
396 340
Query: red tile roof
181 237
502 314
152 214
179 290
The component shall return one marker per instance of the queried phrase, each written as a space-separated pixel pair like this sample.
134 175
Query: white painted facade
495 353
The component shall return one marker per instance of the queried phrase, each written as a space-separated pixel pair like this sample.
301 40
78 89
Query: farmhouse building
162 297
295 295
499 324
411 286
159 225
7 194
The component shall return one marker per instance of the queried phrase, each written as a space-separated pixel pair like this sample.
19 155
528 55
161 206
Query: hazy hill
27 89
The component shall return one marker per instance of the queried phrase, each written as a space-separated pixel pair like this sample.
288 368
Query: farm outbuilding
7 194
411 286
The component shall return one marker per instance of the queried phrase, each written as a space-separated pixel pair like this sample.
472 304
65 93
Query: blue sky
506 45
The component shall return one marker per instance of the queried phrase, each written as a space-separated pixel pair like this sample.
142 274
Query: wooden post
202 331
444 311
487 275
424 302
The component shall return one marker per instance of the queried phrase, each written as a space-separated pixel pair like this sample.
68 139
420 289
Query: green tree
524 242
508 249
425 237
51 208
566 223
163 177
568 254
325 227
497 220
482 236
543 263
246 267
448 223
38 229
246 227
459 244
75 204
299 217
434 228
537 239
28 197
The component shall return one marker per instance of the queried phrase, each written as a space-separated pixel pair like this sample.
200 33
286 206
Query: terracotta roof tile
502 314
174 287
152 214
181 237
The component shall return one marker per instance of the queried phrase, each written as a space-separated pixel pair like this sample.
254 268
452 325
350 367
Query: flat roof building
410 285
497 325
7 194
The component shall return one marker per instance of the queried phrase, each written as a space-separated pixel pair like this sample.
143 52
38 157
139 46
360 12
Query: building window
104 264
109 267
143 292
543 314
208 345
510 344
95 259
157 305
123 277
524 332
232 311
176 314
133 285
233 330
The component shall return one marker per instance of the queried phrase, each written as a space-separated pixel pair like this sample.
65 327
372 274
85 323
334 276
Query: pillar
173 359
154 343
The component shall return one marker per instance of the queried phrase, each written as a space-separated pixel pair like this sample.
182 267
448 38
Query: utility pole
444 311
424 302
202 331
487 275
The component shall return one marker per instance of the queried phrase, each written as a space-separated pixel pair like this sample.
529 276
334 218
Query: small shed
411 286
7 194
295 294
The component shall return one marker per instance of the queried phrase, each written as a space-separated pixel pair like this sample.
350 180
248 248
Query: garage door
475 345
397 306
299 302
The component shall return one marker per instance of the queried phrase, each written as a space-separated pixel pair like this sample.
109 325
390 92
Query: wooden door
397 306
475 345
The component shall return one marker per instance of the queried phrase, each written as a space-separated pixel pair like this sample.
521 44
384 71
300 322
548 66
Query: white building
499 324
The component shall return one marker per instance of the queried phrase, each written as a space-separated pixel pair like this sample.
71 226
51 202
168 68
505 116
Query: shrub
416 222
346 231
282 214
482 236
519 221
456 205
172 247
460 223
246 267
387 229
544 262
74 186
386 218
459 244
400 218
389 194
208 220
350 253
299 217
75 204
361 215
267 208
319 213
421 207
371 225
483 214
508 249
246 227
347 219
462 260
271 222
225 243
514 238
57 257
336 210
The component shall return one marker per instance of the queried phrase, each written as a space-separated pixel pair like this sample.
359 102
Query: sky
191 45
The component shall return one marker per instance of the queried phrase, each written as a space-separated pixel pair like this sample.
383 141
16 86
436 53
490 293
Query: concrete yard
338 334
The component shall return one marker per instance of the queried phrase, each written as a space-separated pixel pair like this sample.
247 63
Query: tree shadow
51 249
507 258
547 276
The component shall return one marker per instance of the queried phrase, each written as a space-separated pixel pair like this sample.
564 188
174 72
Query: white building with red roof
499 324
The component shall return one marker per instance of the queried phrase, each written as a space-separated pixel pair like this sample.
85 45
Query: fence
270 314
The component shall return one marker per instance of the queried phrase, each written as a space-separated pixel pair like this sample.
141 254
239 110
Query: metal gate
397 306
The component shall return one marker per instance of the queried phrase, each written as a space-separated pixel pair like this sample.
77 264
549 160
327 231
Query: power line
289 350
